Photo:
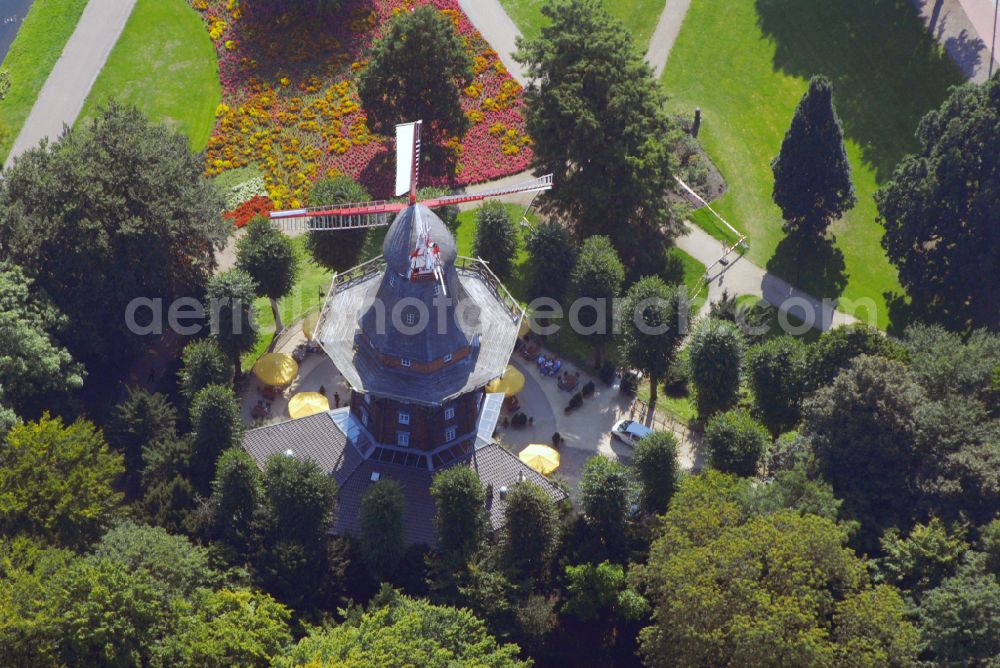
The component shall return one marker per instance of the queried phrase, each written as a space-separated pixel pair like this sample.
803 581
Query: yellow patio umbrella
510 383
540 457
305 404
276 368
309 324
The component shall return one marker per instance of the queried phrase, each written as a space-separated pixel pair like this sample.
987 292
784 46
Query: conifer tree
812 177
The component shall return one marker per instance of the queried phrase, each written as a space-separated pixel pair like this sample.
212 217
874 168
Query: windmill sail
407 158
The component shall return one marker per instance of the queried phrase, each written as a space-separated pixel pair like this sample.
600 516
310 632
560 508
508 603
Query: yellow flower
284 81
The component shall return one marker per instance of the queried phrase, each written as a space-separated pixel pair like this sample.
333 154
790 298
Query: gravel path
68 85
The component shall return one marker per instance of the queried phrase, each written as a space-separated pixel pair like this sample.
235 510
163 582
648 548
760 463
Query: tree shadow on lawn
811 264
887 70
292 39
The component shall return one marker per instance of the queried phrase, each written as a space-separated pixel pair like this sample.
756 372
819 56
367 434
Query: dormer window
447 358
405 361
404 417
449 413
450 433
403 439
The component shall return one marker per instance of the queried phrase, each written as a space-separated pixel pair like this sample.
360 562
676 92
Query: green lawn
34 53
746 64
164 63
639 16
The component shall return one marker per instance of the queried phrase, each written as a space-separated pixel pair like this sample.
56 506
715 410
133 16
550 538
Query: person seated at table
540 361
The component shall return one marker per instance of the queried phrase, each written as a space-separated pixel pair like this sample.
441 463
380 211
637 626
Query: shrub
630 384
736 442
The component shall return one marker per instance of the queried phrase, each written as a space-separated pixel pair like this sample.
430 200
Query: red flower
258 205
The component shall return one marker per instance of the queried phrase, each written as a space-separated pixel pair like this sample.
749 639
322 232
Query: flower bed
243 213
290 102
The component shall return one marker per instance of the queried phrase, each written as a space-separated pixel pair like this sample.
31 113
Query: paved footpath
742 277
492 22
69 83
964 29
667 29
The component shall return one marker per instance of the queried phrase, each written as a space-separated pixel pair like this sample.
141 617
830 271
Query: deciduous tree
654 321
835 348
36 372
299 499
655 462
56 481
217 425
716 356
230 297
397 626
960 620
174 562
460 501
127 214
237 492
529 532
736 443
203 363
552 256
938 211
606 495
381 517
597 281
600 590
924 558
228 627
596 114
734 591
416 71
863 431
777 374
496 238
268 257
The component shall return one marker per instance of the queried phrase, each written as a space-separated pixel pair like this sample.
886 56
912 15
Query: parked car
630 432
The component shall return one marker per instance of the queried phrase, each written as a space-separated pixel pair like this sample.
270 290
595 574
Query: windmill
424 259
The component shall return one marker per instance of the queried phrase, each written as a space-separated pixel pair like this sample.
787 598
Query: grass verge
746 64
34 53
639 16
164 64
